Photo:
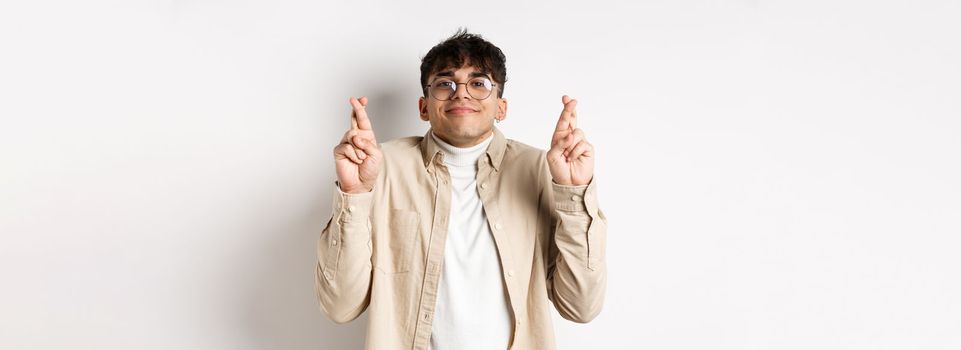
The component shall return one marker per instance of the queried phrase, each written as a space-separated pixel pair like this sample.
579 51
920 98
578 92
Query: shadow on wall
394 115
282 310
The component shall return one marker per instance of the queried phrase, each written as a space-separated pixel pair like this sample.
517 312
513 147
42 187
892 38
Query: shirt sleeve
343 273
578 279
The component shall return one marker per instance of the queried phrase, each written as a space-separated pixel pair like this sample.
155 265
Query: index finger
567 119
359 119
573 113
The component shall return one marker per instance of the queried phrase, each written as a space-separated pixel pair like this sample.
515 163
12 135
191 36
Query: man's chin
467 135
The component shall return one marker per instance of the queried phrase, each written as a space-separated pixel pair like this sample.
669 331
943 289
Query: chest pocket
396 254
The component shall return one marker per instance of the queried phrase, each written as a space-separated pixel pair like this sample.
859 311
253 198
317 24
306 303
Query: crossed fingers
566 135
359 140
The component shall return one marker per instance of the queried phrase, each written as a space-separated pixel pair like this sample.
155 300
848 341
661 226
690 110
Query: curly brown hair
465 48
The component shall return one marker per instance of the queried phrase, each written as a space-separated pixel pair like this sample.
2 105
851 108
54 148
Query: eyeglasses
444 89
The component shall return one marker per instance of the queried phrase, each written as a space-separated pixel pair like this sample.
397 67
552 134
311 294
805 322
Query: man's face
463 120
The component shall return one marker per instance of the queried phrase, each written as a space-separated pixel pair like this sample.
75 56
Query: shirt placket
435 253
487 188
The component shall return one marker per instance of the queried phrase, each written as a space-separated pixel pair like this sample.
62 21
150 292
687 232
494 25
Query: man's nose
461 93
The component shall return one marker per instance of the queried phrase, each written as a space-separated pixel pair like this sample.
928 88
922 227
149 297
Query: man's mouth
461 110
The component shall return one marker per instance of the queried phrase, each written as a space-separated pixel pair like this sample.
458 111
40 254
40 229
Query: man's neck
455 155
466 143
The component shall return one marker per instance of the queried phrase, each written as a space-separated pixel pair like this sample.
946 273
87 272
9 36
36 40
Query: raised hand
571 157
357 157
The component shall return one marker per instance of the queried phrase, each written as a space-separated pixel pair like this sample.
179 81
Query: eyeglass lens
444 89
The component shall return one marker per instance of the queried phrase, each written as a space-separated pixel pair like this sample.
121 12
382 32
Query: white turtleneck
472 310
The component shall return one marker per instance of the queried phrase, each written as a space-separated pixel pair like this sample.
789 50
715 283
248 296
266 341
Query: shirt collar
495 152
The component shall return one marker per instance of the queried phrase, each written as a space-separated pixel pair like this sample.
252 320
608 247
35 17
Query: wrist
572 182
357 190
353 189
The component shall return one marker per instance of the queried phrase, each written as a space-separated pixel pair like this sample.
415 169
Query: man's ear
501 108
422 106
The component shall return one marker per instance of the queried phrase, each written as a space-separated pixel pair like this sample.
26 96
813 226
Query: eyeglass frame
456 85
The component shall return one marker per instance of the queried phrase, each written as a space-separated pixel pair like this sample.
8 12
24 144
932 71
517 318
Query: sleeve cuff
352 208
571 198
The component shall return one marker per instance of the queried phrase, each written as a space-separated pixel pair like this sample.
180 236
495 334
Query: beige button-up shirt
383 250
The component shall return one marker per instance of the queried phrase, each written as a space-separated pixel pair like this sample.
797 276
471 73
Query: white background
777 175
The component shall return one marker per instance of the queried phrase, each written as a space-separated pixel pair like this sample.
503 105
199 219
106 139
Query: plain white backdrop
777 174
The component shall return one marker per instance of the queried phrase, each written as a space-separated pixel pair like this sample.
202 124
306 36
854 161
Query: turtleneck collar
458 156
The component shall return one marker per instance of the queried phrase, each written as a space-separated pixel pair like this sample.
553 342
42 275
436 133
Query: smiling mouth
460 111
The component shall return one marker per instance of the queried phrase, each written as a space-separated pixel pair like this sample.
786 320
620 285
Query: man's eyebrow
448 73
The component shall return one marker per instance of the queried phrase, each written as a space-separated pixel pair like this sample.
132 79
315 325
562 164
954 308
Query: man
459 239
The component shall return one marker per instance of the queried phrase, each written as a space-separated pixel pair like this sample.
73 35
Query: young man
459 239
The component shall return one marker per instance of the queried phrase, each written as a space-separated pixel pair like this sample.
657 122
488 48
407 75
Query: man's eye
445 83
477 83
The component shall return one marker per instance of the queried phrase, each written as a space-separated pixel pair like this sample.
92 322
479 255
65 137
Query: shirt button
574 198
497 226
334 242
484 185
327 275
351 208
510 273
